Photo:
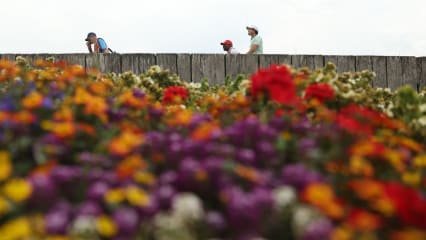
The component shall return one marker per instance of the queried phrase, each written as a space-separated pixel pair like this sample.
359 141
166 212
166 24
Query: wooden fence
392 71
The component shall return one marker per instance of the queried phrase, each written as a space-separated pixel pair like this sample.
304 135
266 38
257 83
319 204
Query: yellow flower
137 196
19 228
342 233
17 190
144 178
412 178
4 206
114 196
360 166
5 165
106 226
33 100
420 161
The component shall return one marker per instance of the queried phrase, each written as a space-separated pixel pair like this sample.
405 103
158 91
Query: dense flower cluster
289 154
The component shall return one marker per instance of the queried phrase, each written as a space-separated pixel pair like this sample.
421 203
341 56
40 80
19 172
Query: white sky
376 27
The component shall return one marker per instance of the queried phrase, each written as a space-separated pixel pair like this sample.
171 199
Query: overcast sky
376 27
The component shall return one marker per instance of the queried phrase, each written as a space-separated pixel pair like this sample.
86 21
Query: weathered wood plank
318 61
409 71
379 67
330 58
299 61
9 57
394 72
130 62
184 67
363 63
346 64
73 59
268 60
137 63
167 61
211 67
105 63
422 80
241 64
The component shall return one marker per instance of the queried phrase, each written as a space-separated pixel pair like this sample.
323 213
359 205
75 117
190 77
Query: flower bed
288 154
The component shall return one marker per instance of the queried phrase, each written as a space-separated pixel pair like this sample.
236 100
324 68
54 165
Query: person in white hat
256 42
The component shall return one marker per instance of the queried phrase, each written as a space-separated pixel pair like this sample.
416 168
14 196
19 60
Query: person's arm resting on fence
253 48
89 46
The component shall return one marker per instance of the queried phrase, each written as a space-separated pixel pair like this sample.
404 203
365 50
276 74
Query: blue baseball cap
89 35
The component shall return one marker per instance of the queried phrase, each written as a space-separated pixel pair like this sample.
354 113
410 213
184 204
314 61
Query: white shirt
233 50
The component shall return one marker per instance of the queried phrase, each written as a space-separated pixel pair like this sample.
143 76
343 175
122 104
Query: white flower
170 227
188 207
303 216
84 225
284 196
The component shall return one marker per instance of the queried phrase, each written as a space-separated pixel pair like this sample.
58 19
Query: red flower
276 83
362 220
410 205
320 91
362 120
175 94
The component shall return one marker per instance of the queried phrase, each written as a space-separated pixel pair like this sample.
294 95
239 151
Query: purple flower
164 195
138 93
246 156
44 190
89 208
97 190
127 221
56 222
216 221
63 174
298 176
47 103
318 230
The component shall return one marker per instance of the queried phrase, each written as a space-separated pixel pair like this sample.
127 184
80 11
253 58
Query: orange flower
125 143
60 129
204 131
366 189
130 165
32 100
247 173
81 96
64 114
361 220
96 106
322 196
24 117
408 234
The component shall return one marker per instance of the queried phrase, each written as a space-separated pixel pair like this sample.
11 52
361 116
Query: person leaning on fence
228 47
256 42
100 45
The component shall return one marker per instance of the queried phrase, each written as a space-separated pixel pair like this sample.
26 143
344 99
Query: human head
91 37
252 30
227 44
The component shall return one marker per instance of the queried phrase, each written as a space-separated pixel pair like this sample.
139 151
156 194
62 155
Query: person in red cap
228 47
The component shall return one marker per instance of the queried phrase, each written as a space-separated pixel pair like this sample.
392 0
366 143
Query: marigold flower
18 228
137 197
18 190
130 165
32 100
106 226
114 196
5 165
361 220
125 143
408 234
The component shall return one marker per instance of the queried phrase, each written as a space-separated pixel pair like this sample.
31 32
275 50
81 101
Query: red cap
226 42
